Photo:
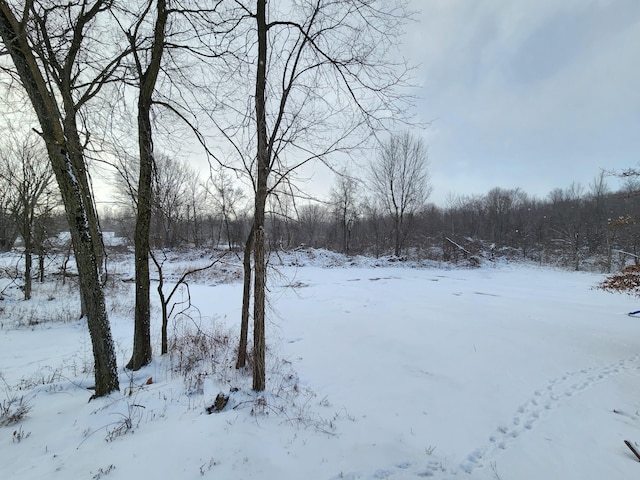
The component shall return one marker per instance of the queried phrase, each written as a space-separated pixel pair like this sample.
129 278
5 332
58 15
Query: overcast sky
533 94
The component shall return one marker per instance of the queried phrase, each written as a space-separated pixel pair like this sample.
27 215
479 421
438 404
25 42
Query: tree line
580 228
591 228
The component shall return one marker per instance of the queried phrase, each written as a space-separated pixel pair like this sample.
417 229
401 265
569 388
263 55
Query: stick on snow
633 449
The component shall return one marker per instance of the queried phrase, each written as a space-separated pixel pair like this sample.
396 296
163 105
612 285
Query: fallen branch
633 449
458 246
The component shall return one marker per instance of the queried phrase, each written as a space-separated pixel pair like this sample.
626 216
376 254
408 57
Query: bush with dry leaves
627 281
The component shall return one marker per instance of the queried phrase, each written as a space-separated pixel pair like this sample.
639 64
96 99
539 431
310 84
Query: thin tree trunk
41 265
164 342
228 229
28 247
396 227
27 273
142 352
345 245
246 300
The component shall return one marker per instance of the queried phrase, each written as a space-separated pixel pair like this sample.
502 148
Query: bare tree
400 181
160 33
8 227
62 65
174 182
345 201
147 52
332 65
311 218
174 185
165 300
28 178
500 205
321 78
225 196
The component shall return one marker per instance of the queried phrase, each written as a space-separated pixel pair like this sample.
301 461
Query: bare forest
590 228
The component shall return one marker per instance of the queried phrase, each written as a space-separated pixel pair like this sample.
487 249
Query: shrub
627 281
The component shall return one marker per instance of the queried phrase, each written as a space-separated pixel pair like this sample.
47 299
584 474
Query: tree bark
263 166
142 352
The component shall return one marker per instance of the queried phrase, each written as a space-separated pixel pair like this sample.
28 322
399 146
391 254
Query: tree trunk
164 346
28 247
164 342
396 228
27 272
41 265
263 165
106 372
259 343
75 167
142 352
345 244
246 299
87 246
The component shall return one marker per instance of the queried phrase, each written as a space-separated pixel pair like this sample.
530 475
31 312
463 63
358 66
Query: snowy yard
503 372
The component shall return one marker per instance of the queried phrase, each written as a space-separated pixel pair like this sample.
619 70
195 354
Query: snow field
374 372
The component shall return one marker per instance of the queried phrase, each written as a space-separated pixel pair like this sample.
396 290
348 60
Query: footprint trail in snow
543 400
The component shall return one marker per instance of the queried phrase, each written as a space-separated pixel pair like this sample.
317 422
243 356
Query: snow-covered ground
376 370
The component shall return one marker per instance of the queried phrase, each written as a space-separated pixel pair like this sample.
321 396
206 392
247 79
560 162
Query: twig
633 449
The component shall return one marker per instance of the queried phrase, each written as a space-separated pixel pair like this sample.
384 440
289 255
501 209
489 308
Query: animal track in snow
543 400
527 415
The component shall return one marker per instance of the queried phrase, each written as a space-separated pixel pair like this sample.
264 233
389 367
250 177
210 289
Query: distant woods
578 228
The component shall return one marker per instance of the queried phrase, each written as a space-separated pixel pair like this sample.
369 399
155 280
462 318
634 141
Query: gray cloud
527 94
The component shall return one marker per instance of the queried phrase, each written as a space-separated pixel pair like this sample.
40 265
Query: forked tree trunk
164 341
